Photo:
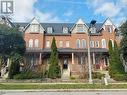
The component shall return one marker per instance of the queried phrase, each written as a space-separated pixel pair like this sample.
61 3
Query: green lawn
60 86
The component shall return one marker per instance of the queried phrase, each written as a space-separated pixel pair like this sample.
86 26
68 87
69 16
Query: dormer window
80 28
49 30
34 28
110 29
65 29
93 30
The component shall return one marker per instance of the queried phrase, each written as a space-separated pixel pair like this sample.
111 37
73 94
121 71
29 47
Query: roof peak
80 21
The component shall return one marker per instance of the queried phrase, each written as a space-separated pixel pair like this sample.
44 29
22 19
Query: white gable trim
108 21
80 21
33 21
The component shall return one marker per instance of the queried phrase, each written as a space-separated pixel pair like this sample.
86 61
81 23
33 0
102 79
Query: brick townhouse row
72 41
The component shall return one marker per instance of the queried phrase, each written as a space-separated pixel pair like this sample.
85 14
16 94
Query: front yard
17 86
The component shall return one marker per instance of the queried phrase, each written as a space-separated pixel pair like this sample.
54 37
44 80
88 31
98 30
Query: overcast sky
70 10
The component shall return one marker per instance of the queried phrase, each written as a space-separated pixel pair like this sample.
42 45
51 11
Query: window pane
34 28
36 43
65 30
93 30
97 44
83 43
67 44
31 43
78 43
49 30
61 44
47 44
103 43
80 28
92 44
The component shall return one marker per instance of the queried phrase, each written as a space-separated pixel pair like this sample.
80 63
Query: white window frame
30 44
65 29
61 44
67 44
103 42
91 44
93 29
78 43
83 43
97 44
36 43
110 29
34 28
49 29
80 28
47 44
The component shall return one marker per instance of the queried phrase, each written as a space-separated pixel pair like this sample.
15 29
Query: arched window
31 43
112 42
36 43
103 41
83 43
78 43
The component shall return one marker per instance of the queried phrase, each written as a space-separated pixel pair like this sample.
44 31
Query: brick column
72 58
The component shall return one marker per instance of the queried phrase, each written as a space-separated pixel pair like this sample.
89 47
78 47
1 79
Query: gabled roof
108 19
57 27
6 20
33 21
80 21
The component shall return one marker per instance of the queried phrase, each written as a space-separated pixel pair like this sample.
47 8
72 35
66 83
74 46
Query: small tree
123 43
54 68
115 66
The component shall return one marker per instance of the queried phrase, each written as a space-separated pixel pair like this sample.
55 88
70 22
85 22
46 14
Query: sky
70 10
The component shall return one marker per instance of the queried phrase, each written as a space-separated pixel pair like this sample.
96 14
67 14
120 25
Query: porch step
66 74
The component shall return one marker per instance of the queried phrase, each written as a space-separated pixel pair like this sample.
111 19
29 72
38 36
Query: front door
65 64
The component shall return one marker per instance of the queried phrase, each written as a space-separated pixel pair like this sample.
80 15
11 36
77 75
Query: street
107 92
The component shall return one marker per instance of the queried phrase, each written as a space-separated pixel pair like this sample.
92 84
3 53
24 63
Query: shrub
97 75
120 77
72 78
29 75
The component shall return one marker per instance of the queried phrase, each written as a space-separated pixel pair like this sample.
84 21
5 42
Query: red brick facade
75 58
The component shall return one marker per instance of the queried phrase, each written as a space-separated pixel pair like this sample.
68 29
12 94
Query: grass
16 86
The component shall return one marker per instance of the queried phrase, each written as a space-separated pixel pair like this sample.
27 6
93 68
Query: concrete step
66 74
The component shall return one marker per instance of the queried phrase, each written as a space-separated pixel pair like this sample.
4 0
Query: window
103 43
61 44
67 44
65 30
34 28
83 43
93 30
49 30
92 44
31 43
110 29
47 44
78 43
97 44
80 28
36 43
112 42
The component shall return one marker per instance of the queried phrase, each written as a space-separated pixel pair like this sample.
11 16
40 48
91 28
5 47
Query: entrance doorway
65 64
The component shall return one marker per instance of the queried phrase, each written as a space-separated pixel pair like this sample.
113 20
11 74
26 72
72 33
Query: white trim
103 43
34 21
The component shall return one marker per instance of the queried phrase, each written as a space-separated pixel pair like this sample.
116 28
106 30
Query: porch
73 62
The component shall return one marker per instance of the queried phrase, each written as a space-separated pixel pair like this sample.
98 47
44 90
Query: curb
65 90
